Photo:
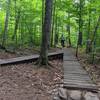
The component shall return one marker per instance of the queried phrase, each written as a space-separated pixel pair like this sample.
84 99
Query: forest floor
26 82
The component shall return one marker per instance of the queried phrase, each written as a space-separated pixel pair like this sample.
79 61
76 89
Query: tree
94 38
88 46
69 30
45 33
80 37
53 22
6 23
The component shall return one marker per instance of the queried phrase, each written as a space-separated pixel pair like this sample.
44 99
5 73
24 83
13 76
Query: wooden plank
69 58
80 87
71 63
78 79
80 83
74 72
27 58
84 83
73 69
77 75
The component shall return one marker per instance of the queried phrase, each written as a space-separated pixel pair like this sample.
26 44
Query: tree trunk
56 33
88 46
53 22
80 37
45 33
80 34
94 38
69 31
6 23
17 18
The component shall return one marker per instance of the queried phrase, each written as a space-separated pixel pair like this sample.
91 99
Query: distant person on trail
89 46
62 40
56 39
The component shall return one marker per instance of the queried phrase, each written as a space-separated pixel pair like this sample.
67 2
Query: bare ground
26 82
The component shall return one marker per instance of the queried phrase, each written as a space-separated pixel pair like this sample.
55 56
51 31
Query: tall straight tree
53 21
16 25
80 22
6 23
46 33
80 17
88 47
69 30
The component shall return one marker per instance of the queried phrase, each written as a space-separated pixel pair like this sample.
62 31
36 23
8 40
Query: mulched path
26 82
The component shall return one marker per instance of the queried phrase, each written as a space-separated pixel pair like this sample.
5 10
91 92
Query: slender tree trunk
45 33
80 34
34 39
56 34
53 22
94 38
17 18
80 37
6 23
43 10
69 31
30 31
88 46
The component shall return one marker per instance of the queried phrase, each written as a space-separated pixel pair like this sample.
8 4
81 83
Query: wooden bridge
31 58
75 77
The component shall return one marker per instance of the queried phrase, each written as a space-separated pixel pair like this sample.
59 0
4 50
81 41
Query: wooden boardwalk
75 76
30 58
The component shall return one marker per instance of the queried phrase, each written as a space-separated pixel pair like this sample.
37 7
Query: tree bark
6 23
80 37
53 22
56 33
88 46
69 30
94 38
45 33
17 18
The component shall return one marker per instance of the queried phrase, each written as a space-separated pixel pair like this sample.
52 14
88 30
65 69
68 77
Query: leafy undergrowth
26 82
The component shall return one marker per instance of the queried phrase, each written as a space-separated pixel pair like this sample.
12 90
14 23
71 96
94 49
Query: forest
41 27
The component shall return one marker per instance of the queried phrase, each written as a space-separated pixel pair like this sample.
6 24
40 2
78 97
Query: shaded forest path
75 76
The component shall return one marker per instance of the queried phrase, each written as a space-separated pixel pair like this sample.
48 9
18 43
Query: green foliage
30 22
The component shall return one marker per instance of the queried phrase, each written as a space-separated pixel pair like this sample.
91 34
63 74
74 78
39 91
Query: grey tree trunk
69 30
80 34
94 38
17 18
80 37
53 22
46 32
6 23
56 33
88 46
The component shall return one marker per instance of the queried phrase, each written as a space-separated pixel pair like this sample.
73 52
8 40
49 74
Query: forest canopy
21 22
